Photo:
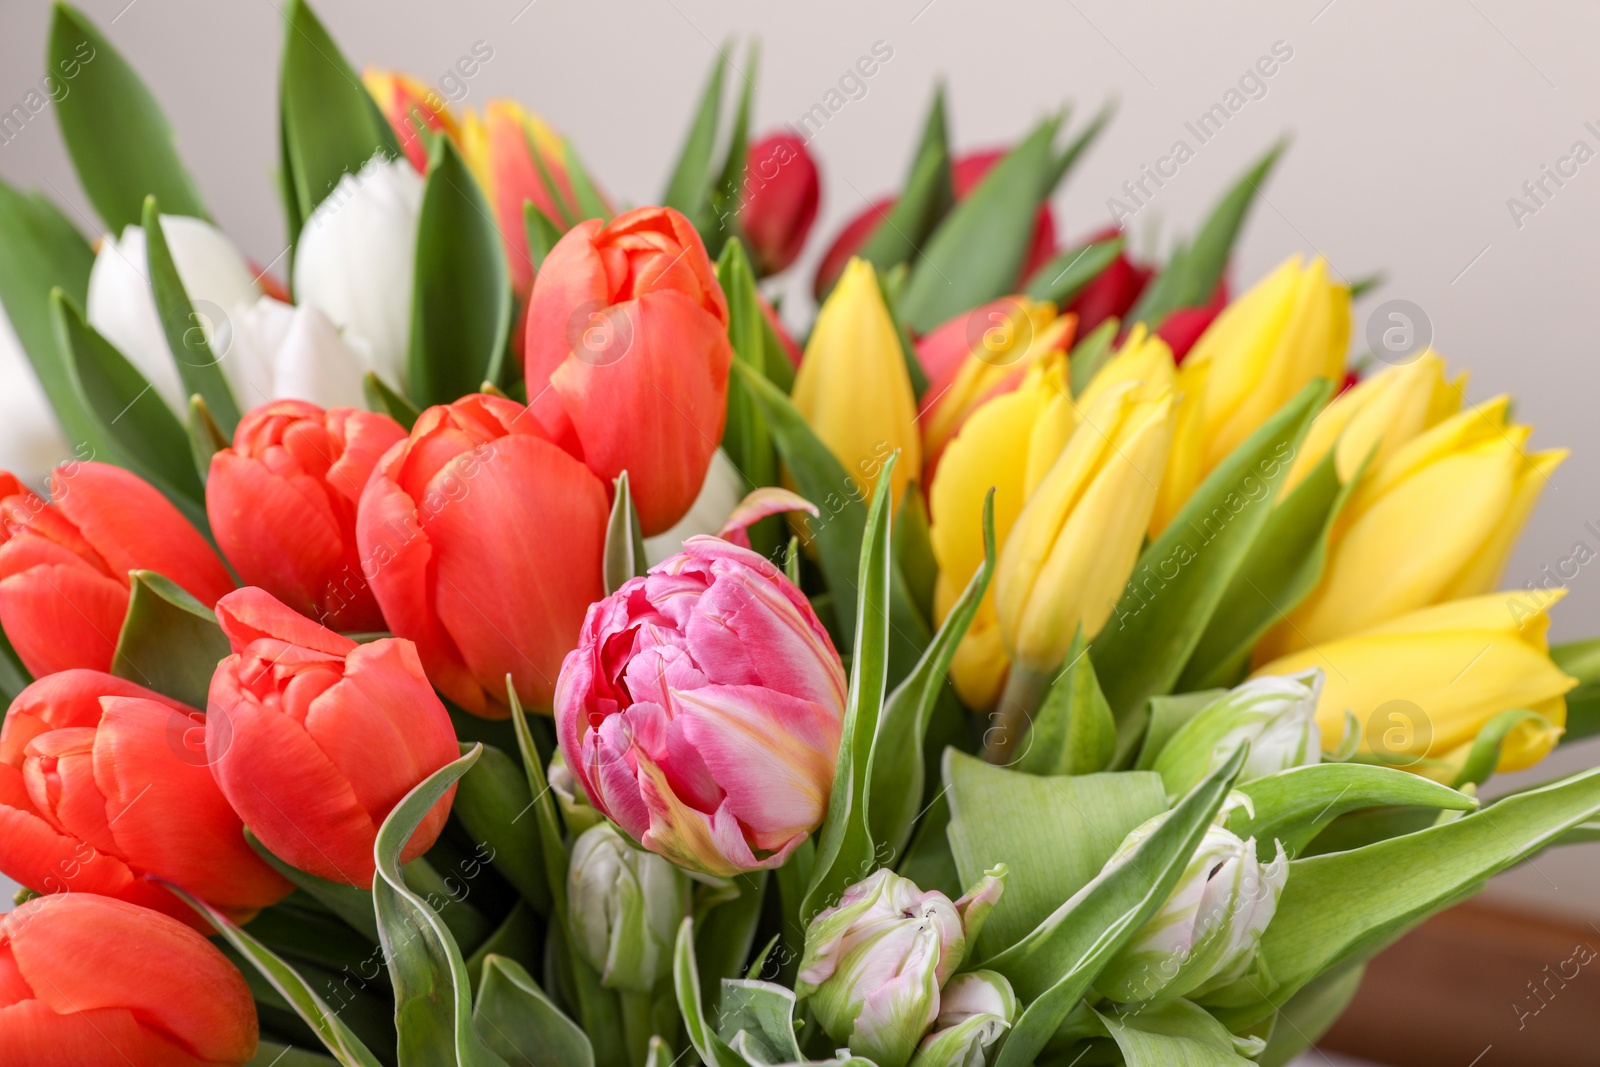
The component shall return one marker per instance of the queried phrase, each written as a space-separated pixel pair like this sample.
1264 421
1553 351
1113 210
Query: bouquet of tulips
485 636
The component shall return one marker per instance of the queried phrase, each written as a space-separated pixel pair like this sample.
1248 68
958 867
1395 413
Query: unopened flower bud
625 907
1205 935
576 811
1277 714
974 1010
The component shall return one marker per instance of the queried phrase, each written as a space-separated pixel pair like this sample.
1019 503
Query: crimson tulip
482 541
782 191
64 565
1183 326
1113 292
315 738
103 782
282 503
628 356
88 981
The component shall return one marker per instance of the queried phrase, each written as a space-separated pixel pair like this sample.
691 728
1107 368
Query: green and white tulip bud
1206 934
624 908
974 1010
576 811
1276 714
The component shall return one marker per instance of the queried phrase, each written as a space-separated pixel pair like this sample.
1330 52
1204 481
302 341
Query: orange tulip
408 104
314 738
87 981
64 565
103 783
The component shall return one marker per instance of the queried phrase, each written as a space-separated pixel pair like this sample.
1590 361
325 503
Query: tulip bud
1423 685
93 980
282 504
95 775
874 963
314 738
975 1009
356 259
64 565
270 350
410 107
482 542
781 194
702 710
625 909
576 811
624 314
1275 714
122 308
853 386
1205 935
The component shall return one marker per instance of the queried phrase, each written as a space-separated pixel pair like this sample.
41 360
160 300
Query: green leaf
1091 353
432 991
552 845
913 549
296 991
727 194
728 933
1054 833
272 1054
206 438
745 437
350 903
198 369
1080 144
1309 1013
1182 575
690 183
714 1052
494 805
170 642
1068 274
543 233
1485 752
845 850
929 862
1282 569
121 145
14 677
518 937
1192 276
461 304
385 401
756 1019
924 200
589 203
1174 1033
977 251
1581 659
1073 732
908 351
330 125
523 1026
1052 968
897 775
1293 806
624 555
1168 714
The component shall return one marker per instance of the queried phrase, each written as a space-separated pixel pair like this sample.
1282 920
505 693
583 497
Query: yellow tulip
1434 522
1424 684
1290 329
853 387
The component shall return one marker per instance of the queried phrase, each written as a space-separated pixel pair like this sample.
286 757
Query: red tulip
1114 292
482 541
781 194
282 503
103 782
1183 327
314 738
64 565
628 356
965 174
87 981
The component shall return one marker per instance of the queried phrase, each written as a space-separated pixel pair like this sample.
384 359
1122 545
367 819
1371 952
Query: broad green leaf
432 992
1091 353
714 1052
1581 659
522 1025
793 878
897 774
690 183
170 642
1073 732
913 549
1309 1013
756 1019
206 438
272 1054
1484 755
928 861
121 144
543 233
518 937
303 931
445 894
1053 967
1069 273
1174 1033
976 253
1182 575
1293 806
728 933
745 437
295 990
624 555
495 807
1282 569
198 369
1168 714
330 126
1054 833
461 303
924 200
845 851
386 401
350 903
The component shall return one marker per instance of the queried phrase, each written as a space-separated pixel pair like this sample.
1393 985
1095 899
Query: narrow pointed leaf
170 642
198 368
1068 274
495 807
386 401
624 555
924 200
543 233
690 182
206 438
350 903
521 1024
1073 732
745 436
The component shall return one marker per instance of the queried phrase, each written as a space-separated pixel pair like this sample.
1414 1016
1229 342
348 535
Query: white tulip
357 256
214 274
721 492
270 350
30 441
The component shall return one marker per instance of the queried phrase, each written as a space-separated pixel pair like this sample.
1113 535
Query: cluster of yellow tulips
1405 615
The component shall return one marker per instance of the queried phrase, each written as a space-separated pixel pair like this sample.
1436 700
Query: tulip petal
61 617
279 533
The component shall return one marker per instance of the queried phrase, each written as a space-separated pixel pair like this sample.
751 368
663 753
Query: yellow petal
1483 572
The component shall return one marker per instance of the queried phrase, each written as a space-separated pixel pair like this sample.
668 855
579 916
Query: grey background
1413 124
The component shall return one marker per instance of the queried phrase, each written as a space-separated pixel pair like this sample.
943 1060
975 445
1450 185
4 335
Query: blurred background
1438 144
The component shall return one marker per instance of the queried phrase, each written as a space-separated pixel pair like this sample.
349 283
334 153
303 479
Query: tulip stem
637 1026
1014 715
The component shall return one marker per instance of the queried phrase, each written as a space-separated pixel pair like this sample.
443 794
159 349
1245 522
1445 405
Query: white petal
30 441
